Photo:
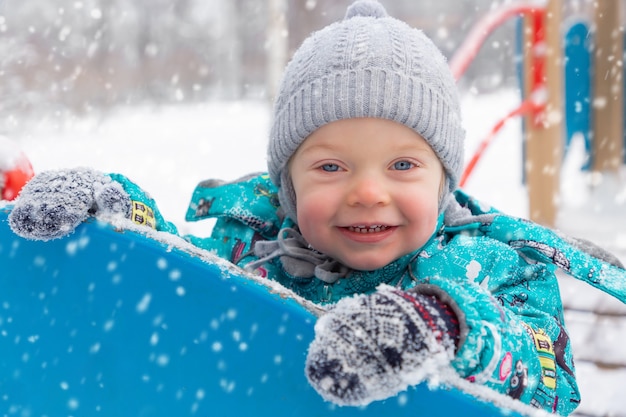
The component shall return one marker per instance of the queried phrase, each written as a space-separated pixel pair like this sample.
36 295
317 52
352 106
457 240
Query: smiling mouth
376 228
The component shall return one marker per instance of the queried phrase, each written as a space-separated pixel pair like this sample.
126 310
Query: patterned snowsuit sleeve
500 276
245 211
144 209
498 298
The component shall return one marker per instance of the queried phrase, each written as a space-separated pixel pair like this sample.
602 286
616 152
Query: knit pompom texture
369 8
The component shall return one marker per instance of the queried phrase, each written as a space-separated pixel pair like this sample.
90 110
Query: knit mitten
53 203
371 347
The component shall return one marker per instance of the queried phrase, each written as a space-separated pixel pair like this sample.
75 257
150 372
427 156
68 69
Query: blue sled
114 323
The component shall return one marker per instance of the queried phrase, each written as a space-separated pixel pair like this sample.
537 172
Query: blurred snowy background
84 57
173 92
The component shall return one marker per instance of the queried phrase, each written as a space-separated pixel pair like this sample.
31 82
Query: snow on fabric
374 346
71 195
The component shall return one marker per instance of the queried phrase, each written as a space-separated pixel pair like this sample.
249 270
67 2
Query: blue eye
330 167
403 165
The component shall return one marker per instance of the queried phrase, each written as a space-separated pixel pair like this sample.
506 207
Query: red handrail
469 49
483 28
529 106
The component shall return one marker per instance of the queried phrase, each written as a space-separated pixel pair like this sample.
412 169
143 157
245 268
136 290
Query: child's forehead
366 130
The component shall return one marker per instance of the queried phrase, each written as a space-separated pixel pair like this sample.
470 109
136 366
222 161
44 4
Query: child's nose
368 191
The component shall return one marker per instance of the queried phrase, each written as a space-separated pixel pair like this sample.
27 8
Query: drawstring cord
298 258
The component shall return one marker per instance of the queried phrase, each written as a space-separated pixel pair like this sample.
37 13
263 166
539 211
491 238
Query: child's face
367 191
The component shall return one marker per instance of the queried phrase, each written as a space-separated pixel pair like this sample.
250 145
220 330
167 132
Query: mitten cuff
438 314
452 314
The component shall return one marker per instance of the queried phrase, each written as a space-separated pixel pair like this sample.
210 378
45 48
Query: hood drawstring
298 258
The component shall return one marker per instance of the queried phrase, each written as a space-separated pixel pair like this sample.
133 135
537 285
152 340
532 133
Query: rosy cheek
306 211
313 215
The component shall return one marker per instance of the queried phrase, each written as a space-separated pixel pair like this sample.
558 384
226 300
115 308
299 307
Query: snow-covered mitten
371 347
53 203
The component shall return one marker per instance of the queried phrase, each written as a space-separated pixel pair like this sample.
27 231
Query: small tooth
367 229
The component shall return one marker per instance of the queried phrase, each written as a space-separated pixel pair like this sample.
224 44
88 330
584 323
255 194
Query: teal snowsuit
497 272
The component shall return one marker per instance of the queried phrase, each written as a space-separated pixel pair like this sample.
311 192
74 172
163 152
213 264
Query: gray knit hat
367 65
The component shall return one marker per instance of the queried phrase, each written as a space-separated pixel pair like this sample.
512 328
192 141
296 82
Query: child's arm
53 203
509 309
355 359
507 347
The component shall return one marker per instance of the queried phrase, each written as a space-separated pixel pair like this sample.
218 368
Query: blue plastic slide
110 322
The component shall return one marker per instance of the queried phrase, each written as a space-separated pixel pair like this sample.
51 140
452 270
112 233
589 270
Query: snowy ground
167 151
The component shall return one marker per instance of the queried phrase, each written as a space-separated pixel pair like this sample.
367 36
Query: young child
360 212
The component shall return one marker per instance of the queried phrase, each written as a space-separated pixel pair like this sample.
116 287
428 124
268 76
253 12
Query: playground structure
569 87
15 169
